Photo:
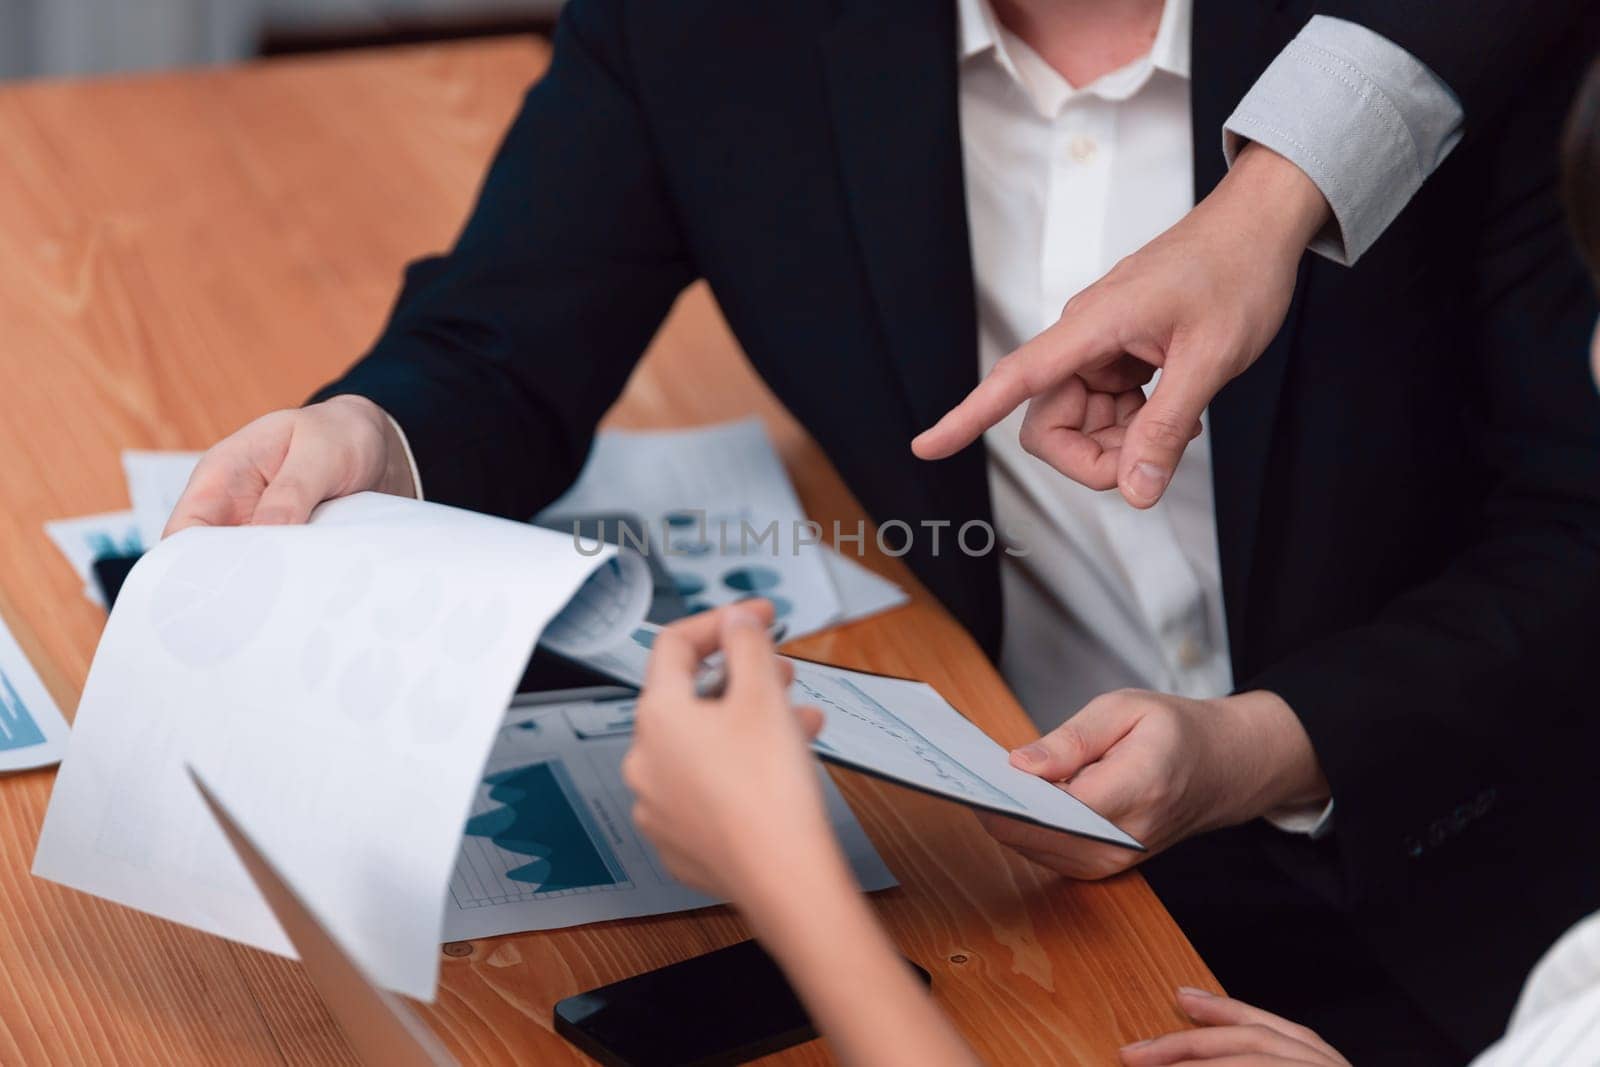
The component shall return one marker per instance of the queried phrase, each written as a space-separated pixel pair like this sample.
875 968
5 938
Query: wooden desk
181 253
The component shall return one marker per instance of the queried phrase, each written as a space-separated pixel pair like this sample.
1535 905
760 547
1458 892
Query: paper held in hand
339 685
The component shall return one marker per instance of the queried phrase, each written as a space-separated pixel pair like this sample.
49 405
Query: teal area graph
540 820
17 728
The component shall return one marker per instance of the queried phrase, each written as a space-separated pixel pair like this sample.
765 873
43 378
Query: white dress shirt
1557 1019
1061 183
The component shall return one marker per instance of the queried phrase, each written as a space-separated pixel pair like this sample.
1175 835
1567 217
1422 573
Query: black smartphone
728 1006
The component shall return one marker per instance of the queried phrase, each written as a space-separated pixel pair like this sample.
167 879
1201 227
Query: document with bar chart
550 842
32 731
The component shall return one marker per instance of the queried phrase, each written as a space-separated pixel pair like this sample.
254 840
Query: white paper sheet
721 513
551 842
89 537
32 731
906 732
339 685
155 482
862 592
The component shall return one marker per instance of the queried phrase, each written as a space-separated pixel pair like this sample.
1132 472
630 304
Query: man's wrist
1273 191
1267 736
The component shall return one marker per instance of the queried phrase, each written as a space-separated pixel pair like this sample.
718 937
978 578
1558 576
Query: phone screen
725 1007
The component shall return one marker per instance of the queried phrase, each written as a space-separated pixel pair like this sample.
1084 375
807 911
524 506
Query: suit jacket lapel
890 67
1228 53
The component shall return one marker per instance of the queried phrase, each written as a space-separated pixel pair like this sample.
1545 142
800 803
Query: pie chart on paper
215 596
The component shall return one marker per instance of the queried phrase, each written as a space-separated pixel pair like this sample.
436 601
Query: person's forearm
1268 194
1271 750
858 989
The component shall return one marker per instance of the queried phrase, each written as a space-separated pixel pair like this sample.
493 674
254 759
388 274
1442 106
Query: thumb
1078 742
304 479
1160 431
810 720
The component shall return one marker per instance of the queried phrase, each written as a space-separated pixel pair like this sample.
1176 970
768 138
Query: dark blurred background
69 37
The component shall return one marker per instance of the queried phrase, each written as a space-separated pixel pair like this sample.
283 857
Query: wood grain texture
181 253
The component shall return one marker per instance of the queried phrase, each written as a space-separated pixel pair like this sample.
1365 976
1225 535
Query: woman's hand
727 789
275 470
1232 1032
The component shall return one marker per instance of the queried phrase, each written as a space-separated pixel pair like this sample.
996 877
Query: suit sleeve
1484 50
500 357
1461 694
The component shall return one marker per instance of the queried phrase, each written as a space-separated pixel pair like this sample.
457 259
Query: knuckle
1304 1034
1031 438
1259 1035
1067 740
1016 371
287 486
1165 429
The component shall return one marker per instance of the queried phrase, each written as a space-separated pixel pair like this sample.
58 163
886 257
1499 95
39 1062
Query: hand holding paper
339 685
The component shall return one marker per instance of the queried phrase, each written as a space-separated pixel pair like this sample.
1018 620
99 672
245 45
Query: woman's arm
728 792
859 990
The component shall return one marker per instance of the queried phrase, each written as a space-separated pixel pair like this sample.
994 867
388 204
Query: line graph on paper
863 709
534 839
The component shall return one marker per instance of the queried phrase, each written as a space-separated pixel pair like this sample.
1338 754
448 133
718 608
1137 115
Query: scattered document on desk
155 482
551 841
906 732
32 731
862 592
722 515
90 537
339 686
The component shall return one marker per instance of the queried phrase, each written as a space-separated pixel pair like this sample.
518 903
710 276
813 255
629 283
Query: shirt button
1082 148
1191 653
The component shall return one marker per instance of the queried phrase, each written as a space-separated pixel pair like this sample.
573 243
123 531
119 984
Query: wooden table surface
183 252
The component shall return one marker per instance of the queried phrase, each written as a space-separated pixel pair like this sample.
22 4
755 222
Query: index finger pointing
1046 360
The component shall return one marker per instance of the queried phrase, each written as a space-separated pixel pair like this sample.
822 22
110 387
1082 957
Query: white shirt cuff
411 461
1313 821
1364 119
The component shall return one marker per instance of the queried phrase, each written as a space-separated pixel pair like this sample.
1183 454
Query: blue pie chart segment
751 579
